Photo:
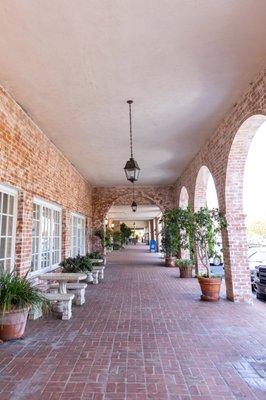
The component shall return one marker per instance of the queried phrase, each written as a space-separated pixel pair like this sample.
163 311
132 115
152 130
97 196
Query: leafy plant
77 264
184 262
173 224
118 240
126 232
95 255
17 292
205 226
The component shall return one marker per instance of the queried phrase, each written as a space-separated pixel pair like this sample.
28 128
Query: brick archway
183 198
200 193
235 248
104 198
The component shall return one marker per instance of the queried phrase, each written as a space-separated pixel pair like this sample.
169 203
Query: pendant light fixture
131 168
134 205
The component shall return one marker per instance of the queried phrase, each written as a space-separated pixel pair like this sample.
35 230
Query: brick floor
142 334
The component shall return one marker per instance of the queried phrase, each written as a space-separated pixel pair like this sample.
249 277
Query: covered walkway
142 334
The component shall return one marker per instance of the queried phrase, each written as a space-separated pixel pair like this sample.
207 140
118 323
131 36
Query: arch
235 251
237 160
204 183
104 198
183 198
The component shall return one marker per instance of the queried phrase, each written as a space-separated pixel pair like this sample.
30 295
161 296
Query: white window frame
53 206
83 217
13 192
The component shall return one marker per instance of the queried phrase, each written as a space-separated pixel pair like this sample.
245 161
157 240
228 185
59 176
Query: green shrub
77 264
17 292
184 263
95 255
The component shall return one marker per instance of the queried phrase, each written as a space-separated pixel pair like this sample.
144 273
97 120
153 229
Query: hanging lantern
131 168
134 206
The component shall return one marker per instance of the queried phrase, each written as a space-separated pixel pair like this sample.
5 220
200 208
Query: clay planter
210 288
169 262
185 272
13 323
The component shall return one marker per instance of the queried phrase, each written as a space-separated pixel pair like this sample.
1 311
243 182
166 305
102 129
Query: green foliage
17 292
106 237
184 262
173 224
95 255
189 230
205 226
126 232
77 264
118 240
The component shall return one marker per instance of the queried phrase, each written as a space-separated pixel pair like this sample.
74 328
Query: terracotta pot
210 288
13 323
169 262
185 272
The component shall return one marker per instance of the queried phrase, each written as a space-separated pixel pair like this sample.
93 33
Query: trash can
153 246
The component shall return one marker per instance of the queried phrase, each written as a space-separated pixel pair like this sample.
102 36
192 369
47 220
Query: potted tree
17 296
206 224
172 221
185 267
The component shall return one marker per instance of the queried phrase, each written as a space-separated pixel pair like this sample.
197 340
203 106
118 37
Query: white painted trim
54 207
48 204
10 190
33 274
78 215
83 218
4 187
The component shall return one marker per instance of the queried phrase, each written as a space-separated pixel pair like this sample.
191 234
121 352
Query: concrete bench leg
101 274
79 296
63 308
35 312
67 309
95 275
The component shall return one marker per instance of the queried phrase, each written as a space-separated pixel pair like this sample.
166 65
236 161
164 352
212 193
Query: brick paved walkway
142 334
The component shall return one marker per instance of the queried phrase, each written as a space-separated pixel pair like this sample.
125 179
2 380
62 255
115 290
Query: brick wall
32 164
224 154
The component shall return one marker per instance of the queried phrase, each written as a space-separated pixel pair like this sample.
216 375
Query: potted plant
17 296
185 267
172 221
78 264
206 225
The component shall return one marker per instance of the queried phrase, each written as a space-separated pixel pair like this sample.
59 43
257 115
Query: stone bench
76 288
61 302
100 269
95 276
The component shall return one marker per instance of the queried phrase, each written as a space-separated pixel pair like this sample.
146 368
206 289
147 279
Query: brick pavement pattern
142 334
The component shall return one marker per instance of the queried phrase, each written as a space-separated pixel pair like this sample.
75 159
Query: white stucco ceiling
72 64
143 213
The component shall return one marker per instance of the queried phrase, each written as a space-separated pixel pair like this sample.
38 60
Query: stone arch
235 250
183 198
201 185
104 198
200 198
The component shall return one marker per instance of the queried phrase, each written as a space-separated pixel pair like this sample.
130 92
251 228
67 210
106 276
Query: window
77 235
46 236
8 217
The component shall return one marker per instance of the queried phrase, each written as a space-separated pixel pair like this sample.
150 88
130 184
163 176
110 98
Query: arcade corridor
142 334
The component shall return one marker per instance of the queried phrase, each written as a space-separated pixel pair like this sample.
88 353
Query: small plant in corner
185 267
17 296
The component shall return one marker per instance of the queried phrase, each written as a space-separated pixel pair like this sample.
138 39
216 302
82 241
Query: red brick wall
31 163
225 160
